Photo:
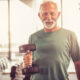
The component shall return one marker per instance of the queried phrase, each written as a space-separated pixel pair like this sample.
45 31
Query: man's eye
44 14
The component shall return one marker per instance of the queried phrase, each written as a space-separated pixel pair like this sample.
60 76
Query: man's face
49 15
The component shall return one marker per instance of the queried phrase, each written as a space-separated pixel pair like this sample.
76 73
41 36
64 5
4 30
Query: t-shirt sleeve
30 40
75 48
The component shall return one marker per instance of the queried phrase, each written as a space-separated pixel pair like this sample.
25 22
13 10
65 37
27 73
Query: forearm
77 68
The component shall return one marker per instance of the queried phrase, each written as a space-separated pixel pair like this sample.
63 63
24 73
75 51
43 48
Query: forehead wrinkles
48 5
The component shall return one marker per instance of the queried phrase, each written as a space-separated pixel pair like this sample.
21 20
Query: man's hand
77 67
27 59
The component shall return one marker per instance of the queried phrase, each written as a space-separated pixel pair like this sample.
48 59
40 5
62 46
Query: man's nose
49 17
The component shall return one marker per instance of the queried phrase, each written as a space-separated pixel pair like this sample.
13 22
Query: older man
54 47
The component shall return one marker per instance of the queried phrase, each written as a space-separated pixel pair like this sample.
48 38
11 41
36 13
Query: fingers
27 60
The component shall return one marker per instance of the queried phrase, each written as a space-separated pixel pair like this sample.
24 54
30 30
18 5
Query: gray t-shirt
53 53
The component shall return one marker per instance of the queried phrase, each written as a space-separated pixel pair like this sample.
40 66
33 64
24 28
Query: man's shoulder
67 31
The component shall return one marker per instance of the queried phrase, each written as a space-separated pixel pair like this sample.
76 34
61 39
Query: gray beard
49 27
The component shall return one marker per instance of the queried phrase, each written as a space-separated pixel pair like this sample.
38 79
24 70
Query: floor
72 77
7 77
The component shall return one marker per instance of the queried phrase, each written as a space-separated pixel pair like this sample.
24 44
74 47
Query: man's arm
77 68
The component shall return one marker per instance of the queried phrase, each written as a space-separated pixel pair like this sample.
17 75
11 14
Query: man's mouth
49 23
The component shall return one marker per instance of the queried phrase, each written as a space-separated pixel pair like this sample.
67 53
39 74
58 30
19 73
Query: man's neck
51 30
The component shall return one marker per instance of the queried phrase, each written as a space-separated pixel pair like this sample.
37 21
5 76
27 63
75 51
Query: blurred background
19 19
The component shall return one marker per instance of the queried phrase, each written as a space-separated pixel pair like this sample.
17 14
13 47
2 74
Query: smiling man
49 16
55 47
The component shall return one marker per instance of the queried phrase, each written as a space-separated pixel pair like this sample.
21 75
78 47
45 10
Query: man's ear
58 14
39 15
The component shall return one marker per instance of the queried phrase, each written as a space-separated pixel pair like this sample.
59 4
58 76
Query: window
3 27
